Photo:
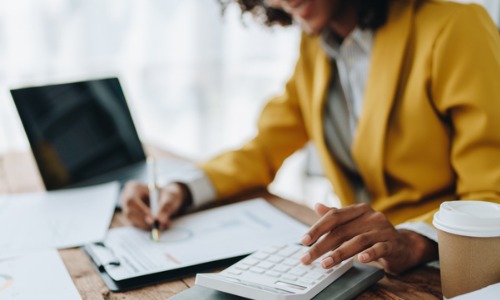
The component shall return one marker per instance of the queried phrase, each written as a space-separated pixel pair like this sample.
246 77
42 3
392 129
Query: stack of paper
60 219
33 225
40 275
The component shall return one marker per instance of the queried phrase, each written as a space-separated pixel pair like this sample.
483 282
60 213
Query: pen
153 197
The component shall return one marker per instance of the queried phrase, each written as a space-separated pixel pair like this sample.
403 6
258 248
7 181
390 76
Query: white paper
224 232
59 219
40 275
489 292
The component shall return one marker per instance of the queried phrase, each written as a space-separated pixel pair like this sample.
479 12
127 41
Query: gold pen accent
155 232
153 198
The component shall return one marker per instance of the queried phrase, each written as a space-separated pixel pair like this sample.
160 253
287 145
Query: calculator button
315 276
250 261
288 251
297 255
272 249
289 277
291 262
242 267
275 259
278 267
307 268
281 269
234 272
297 272
265 265
273 274
260 255
257 270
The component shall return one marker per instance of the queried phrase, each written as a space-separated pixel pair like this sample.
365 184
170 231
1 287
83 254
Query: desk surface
18 174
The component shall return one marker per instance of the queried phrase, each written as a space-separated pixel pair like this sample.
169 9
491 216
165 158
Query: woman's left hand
359 230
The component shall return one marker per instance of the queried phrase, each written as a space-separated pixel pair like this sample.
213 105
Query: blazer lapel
381 89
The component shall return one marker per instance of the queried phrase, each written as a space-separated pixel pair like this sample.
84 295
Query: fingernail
327 262
149 220
306 258
364 257
306 239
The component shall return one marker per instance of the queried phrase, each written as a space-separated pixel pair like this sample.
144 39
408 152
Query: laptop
82 133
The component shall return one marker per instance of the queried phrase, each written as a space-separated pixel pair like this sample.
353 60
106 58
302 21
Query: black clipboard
258 219
149 279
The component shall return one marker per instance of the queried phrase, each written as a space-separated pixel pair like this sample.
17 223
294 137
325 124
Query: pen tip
155 234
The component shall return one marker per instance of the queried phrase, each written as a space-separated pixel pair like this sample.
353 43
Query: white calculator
274 273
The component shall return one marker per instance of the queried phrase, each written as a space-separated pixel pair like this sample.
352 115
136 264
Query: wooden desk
18 173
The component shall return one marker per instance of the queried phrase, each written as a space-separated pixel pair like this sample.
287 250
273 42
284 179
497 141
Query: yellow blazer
429 130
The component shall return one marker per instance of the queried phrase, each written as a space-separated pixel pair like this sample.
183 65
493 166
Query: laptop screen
78 130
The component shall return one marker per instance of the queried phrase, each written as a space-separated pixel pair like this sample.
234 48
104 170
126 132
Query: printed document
40 275
59 219
219 233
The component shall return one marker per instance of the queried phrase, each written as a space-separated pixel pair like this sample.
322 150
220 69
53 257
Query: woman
401 99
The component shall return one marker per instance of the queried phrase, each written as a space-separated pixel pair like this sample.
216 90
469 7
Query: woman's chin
311 28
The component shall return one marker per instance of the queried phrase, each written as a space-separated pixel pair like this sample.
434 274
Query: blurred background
186 70
195 81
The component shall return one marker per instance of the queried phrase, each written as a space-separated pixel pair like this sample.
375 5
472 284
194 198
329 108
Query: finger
137 206
332 219
321 209
133 190
377 251
359 243
167 210
333 239
138 221
324 245
165 214
170 203
136 215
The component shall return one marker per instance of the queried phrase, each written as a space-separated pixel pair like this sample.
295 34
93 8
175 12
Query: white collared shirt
353 62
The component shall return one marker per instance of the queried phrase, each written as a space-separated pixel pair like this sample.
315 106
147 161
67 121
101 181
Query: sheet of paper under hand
220 233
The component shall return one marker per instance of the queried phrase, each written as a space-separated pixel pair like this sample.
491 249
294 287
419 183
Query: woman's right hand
135 204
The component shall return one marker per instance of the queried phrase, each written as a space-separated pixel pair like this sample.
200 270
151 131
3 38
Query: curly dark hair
371 13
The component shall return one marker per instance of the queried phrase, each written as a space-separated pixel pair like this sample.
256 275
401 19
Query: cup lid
469 218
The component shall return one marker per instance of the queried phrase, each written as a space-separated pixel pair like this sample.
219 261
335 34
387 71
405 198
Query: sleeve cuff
421 228
201 188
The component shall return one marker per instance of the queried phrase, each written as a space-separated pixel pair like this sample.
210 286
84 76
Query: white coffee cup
469 245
